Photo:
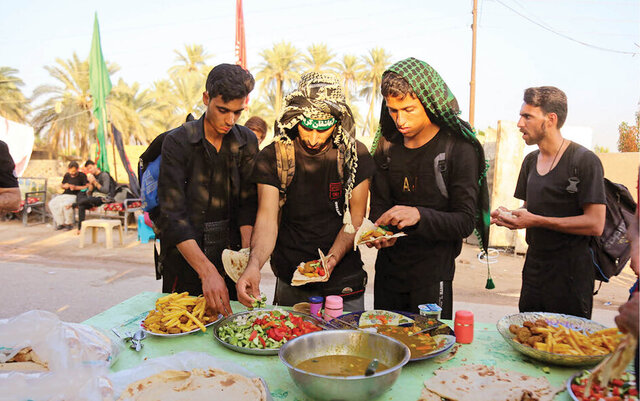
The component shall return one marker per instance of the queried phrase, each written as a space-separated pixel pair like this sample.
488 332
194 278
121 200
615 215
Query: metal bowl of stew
344 343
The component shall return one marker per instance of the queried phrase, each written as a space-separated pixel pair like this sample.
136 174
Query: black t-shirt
429 250
312 215
7 168
80 179
548 195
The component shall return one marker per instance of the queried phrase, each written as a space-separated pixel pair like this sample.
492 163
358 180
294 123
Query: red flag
241 49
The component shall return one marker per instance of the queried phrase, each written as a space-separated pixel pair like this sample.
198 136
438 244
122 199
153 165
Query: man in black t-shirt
325 200
73 182
429 183
564 204
9 190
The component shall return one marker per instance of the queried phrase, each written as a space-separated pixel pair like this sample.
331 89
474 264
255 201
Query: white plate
173 335
368 318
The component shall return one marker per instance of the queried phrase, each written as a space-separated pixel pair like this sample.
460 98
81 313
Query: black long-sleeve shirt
428 252
199 184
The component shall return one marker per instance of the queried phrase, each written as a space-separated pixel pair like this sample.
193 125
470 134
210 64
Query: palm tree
135 113
193 60
167 116
186 94
13 105
279 68
376 63
351 72
64 118
320 59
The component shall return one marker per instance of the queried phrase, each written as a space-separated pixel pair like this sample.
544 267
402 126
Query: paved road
45 269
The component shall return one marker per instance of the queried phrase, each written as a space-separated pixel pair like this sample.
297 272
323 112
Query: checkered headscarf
320 97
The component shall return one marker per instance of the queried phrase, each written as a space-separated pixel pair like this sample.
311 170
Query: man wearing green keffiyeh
430 183
319 205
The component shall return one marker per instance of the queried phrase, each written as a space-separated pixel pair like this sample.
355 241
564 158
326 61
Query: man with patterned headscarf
430 183
319 205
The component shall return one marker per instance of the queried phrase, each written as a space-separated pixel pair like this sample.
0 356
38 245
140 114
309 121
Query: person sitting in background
9 190
73 182
102 188
101 182
258 126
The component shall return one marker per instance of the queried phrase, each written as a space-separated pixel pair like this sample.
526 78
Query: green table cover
488 348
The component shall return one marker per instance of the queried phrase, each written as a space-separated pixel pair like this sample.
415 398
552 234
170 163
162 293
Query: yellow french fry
196 321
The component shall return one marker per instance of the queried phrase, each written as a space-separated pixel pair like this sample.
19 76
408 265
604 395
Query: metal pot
387 350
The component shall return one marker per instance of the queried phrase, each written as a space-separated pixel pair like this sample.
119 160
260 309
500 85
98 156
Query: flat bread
195 385
235 262
614 365
26 360
22 367
485 383
363 235
300 279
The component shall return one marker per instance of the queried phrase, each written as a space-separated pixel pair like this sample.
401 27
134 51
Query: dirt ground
45 269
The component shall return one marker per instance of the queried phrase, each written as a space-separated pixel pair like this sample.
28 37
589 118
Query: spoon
371 368
430 328
353 326
136 340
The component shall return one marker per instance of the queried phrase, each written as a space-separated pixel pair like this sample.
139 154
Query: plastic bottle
332 307
315 306
463 326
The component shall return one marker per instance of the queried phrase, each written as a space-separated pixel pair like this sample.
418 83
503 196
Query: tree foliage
61 112
629 138
13 104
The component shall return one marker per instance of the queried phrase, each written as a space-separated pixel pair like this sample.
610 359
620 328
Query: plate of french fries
559 339
178 314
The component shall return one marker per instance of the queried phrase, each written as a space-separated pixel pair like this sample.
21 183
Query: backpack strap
386 159
285 166
574 160
440 166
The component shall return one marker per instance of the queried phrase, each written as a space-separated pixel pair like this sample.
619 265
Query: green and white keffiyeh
437 98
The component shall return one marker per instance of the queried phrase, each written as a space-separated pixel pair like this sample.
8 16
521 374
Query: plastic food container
431 311
332 307
315 306
463 326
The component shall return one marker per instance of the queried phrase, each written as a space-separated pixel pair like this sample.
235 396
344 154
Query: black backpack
610 251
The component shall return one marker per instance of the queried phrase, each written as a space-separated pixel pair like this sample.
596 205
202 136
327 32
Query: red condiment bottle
463 326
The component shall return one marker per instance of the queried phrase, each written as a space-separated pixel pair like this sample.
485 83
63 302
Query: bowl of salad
619 389
264 331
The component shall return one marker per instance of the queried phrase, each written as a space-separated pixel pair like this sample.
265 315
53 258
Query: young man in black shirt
561 209
9 190
207 202
73 182
429 183
322 205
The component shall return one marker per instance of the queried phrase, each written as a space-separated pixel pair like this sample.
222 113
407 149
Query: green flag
99 86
